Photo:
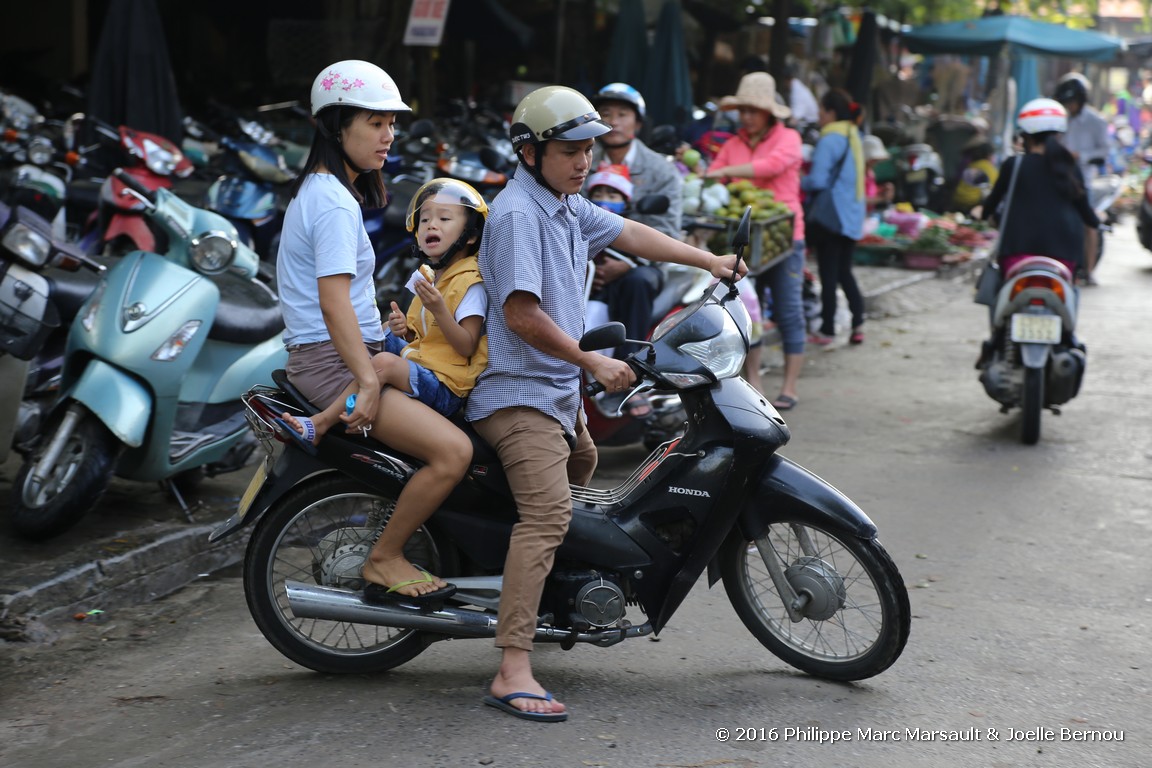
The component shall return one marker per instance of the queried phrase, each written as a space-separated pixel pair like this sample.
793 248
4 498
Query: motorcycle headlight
722 354
159 159
27 244
212 252
40 151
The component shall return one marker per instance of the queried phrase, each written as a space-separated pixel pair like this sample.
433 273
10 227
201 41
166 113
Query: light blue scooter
155 364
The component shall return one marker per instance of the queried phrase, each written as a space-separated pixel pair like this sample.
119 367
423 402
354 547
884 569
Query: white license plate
1036 329
254 486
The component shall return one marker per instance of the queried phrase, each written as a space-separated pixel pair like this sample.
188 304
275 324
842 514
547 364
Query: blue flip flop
505 703
303 440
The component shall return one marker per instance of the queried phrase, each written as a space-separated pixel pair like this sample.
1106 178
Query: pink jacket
776 163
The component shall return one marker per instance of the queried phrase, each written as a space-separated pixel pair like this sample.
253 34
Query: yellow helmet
448 192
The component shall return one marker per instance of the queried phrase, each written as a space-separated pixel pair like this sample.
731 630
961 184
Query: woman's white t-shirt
323 234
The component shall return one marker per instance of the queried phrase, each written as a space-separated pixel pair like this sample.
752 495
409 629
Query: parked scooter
155 364
1033 360
41 288
152 161
919 176
801 563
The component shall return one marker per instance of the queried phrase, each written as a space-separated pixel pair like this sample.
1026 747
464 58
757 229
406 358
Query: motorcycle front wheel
321 533
856 617
43 507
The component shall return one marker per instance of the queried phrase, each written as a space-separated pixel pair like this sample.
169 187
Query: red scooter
119 224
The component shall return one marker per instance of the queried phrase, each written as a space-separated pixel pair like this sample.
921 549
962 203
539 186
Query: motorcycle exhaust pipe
309 601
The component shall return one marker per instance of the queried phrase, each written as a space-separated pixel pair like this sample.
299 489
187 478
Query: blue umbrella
667 82
629 48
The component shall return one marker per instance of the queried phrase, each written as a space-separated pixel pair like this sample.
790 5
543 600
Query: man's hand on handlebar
612 374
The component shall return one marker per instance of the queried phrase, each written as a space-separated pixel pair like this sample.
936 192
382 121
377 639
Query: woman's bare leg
446 451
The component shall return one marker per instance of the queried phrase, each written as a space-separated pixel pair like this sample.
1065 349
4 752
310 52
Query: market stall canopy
989 35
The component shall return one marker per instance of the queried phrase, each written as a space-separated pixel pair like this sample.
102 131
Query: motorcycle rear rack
262 406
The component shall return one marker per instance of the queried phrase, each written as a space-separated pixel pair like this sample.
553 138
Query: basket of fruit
770 238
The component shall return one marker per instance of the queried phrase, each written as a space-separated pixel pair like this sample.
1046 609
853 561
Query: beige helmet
355 83
555 112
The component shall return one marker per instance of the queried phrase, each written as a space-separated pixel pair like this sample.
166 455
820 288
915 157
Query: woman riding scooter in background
1051 214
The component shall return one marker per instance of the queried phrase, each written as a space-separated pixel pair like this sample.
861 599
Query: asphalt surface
139 545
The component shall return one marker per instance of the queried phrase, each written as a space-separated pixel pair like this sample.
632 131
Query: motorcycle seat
1017 264
248 313
70 290
483 454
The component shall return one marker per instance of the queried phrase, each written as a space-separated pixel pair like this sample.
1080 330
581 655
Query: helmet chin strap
534 170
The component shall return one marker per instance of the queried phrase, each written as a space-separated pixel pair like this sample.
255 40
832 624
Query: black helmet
1071 89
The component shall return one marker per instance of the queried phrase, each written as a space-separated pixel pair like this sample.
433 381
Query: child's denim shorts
425 386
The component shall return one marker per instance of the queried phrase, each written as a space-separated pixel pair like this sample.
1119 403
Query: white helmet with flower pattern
355 83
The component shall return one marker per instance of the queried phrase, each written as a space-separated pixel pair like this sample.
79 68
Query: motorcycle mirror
602 337
653 204
422 129
740 240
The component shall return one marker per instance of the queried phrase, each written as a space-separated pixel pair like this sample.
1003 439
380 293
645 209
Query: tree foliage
1078 14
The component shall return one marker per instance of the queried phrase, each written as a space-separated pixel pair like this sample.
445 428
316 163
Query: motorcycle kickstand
169 485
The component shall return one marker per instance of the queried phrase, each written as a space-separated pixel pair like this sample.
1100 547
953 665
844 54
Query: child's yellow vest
431 348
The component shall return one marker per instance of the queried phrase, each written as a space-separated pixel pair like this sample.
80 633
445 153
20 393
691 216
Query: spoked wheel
1031 405
321 533
852 614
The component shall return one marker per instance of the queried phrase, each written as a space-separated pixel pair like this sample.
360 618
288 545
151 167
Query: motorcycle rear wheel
320 533
41 510
858 617
1031 405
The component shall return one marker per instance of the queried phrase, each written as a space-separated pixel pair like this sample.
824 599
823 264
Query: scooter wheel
45 508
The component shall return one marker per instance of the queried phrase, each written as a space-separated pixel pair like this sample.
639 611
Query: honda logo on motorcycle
689 492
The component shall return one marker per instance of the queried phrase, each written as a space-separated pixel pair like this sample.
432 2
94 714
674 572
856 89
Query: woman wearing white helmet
1050 212
333 327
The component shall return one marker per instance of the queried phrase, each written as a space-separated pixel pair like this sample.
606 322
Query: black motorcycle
801 563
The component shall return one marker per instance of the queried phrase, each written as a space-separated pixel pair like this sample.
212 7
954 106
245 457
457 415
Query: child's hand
432 298
397 323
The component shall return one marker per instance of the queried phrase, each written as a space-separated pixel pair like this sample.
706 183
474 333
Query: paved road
1027 568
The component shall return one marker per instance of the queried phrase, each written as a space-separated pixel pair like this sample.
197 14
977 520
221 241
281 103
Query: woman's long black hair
1060 163
368 189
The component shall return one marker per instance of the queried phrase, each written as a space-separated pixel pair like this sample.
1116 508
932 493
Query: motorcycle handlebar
135 185
593 389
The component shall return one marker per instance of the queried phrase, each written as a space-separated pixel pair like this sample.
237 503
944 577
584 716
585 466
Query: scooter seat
1019 264
70 290
248 313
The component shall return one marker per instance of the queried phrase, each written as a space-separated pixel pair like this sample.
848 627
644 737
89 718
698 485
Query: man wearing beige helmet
526 404
767 152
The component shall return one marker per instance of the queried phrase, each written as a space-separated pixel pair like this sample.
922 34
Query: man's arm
656 246
527 320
